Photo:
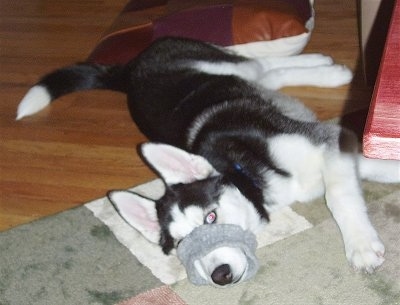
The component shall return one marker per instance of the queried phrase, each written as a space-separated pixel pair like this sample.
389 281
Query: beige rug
76 258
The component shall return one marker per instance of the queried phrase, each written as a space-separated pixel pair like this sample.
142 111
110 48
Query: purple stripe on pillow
212 24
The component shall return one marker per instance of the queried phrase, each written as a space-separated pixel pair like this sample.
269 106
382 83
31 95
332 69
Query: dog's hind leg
386 171
249 70
275 73
303 60
320 76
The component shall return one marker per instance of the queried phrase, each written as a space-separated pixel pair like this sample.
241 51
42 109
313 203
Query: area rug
88 255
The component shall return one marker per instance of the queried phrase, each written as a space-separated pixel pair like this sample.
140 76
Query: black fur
202 194
84 76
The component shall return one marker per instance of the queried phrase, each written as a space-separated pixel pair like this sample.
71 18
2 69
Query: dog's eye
210 218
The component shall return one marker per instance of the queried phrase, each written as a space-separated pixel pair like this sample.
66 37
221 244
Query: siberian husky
229 147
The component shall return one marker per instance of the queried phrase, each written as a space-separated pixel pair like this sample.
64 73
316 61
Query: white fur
386 171
234 257
185 221
315 169
277 72
35 100
303 160
302 60
364 250
236 209
249 70
320 76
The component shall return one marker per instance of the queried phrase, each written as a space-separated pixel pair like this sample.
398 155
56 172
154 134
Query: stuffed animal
203 240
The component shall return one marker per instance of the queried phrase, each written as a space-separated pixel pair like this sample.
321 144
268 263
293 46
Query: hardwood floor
84 144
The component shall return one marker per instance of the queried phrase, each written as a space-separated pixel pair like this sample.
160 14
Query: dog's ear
175 165
137 211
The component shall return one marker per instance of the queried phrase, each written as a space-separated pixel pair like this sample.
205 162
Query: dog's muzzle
206 238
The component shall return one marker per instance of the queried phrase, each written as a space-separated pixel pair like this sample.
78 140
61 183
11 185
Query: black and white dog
234 149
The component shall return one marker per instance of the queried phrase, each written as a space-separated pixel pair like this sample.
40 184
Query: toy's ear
175 165
137 211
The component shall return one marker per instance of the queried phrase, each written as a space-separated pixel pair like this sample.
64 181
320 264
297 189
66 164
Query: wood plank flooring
84 145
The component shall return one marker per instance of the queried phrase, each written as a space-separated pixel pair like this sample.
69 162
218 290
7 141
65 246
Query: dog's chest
303 161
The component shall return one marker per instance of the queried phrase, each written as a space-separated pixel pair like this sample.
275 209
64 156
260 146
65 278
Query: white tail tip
35 100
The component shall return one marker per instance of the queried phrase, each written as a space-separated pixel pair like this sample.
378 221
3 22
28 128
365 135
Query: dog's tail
78 77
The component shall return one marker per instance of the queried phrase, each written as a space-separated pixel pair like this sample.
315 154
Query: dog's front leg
364 249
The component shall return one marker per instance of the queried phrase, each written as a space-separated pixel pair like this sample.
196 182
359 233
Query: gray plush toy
206 238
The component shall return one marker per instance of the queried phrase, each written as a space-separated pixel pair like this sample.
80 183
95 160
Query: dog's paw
366 254
334 75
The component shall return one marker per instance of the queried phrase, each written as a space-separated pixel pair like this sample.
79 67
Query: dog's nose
222 275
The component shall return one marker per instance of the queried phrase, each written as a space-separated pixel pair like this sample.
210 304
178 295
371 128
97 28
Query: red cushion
223 22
